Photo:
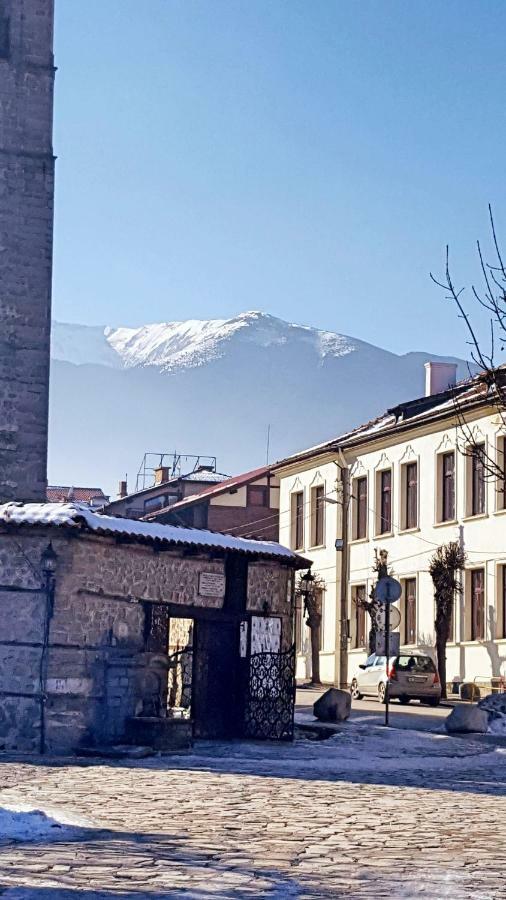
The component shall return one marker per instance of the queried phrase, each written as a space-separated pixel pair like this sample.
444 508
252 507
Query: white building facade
311 518
414 480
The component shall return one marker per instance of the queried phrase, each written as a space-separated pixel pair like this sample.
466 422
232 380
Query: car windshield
414 664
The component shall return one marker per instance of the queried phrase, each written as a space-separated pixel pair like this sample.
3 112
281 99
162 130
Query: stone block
467 719
333 706
161 734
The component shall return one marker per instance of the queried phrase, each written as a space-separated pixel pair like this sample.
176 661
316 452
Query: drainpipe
342 636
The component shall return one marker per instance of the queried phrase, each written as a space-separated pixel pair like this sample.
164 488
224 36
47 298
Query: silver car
411 676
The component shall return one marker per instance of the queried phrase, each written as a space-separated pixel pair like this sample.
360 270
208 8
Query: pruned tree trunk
441 663
315 627
444 567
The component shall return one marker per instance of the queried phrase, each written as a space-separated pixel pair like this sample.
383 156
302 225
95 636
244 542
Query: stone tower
26 243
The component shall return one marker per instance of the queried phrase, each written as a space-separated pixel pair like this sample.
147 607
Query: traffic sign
387 590
381 617
394 643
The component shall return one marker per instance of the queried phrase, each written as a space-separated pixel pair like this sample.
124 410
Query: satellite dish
387 590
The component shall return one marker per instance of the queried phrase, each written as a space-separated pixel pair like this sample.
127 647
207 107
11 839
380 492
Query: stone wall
26 226
272 584
106 660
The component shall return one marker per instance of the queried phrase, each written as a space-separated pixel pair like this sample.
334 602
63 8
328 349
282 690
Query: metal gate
270 696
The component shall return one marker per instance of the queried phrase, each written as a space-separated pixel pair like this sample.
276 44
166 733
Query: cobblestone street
339 818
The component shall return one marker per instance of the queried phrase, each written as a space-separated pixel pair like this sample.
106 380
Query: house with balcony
424 473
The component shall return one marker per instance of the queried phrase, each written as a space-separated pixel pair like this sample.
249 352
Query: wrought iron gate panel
270 696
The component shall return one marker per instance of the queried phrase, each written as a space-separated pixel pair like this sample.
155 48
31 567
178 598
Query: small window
409 611
359 525
317 516
448 486
297 515
477 467
410 495
499 629
385 501
477 618
359 617
501 478
257 495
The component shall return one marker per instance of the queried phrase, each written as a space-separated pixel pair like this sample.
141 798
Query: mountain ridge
212 387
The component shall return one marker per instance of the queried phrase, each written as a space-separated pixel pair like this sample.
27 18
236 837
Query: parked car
412 676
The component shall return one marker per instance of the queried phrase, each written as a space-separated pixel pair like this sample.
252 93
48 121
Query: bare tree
445 567
380 568
310 587
490 382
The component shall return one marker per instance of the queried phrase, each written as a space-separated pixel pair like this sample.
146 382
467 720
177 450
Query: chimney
123 490
439 376
161 474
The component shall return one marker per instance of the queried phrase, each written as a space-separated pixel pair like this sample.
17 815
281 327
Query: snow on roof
205 475
56 492
470 391
75 515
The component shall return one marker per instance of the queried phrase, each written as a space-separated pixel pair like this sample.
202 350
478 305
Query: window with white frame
475 480
500 618
501 475
384 501
409 495
474 616
359 625
359 508
317 511
297 520
446 487
408 611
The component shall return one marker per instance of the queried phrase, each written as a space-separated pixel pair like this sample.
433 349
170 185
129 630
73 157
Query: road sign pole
387 652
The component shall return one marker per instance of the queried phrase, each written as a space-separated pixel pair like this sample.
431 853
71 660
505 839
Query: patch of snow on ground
495 707
355 749
20 822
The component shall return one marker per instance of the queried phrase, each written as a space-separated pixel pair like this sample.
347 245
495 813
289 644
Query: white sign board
394 644
265 634
211 584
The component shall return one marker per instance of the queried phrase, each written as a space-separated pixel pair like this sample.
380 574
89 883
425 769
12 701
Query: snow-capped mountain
172 346
211 387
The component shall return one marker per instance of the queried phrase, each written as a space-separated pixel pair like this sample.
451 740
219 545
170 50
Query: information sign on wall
265 634
211 584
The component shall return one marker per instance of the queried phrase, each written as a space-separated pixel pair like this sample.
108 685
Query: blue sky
310 159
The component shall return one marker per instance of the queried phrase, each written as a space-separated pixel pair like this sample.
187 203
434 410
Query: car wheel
382 692
354 691
404 700
433 701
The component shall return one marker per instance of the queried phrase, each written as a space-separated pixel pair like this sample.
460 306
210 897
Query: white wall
324 557
483 537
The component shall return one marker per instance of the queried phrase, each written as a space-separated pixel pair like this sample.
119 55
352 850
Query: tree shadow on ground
141 866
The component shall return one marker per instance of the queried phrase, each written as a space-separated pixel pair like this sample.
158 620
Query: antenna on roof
268 445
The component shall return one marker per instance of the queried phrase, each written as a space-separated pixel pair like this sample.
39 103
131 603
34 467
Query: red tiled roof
59 493
215 489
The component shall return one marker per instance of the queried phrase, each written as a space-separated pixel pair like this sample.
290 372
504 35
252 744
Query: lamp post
312 599
48 561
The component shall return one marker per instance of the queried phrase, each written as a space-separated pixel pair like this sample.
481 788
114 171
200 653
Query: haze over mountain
211 387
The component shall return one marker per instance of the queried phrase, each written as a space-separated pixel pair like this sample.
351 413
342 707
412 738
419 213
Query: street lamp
308 589
48 560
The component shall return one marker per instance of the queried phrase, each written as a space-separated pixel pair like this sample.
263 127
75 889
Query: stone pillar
26 243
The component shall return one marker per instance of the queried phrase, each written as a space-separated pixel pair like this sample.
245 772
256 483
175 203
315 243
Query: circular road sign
381 618
388 590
